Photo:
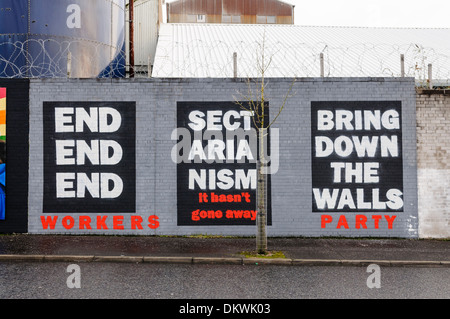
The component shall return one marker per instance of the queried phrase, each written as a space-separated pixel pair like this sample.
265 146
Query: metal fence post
69 64
402 65
322 68
430 76
235 65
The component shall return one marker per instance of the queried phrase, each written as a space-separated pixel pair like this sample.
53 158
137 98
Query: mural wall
89 162
14 159
216 159
357 163
2 153
177 157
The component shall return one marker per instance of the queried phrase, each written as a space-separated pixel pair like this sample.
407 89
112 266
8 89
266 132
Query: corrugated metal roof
206 50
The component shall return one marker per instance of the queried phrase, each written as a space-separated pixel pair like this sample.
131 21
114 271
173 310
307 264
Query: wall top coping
226 80
433 92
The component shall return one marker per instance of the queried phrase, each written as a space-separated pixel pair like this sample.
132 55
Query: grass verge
269 254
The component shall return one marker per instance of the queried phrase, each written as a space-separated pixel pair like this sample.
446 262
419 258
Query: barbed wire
215 59
50 58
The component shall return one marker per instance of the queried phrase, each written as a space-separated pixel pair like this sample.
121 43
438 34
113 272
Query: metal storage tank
48 38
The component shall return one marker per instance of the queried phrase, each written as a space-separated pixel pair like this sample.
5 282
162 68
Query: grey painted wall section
156 174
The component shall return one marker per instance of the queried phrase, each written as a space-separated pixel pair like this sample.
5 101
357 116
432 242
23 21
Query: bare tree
256 104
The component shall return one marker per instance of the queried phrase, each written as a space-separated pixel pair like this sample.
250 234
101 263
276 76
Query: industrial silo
60 38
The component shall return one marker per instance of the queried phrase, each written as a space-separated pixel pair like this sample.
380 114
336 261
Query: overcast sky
373 13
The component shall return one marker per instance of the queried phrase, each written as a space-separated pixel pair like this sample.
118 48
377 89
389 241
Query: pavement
224 250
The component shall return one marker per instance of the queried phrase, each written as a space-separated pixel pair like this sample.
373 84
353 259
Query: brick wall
156 174
433 166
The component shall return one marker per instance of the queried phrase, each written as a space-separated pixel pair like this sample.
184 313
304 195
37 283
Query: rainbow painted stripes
3 114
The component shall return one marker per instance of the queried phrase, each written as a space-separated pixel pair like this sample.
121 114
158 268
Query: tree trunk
261 198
